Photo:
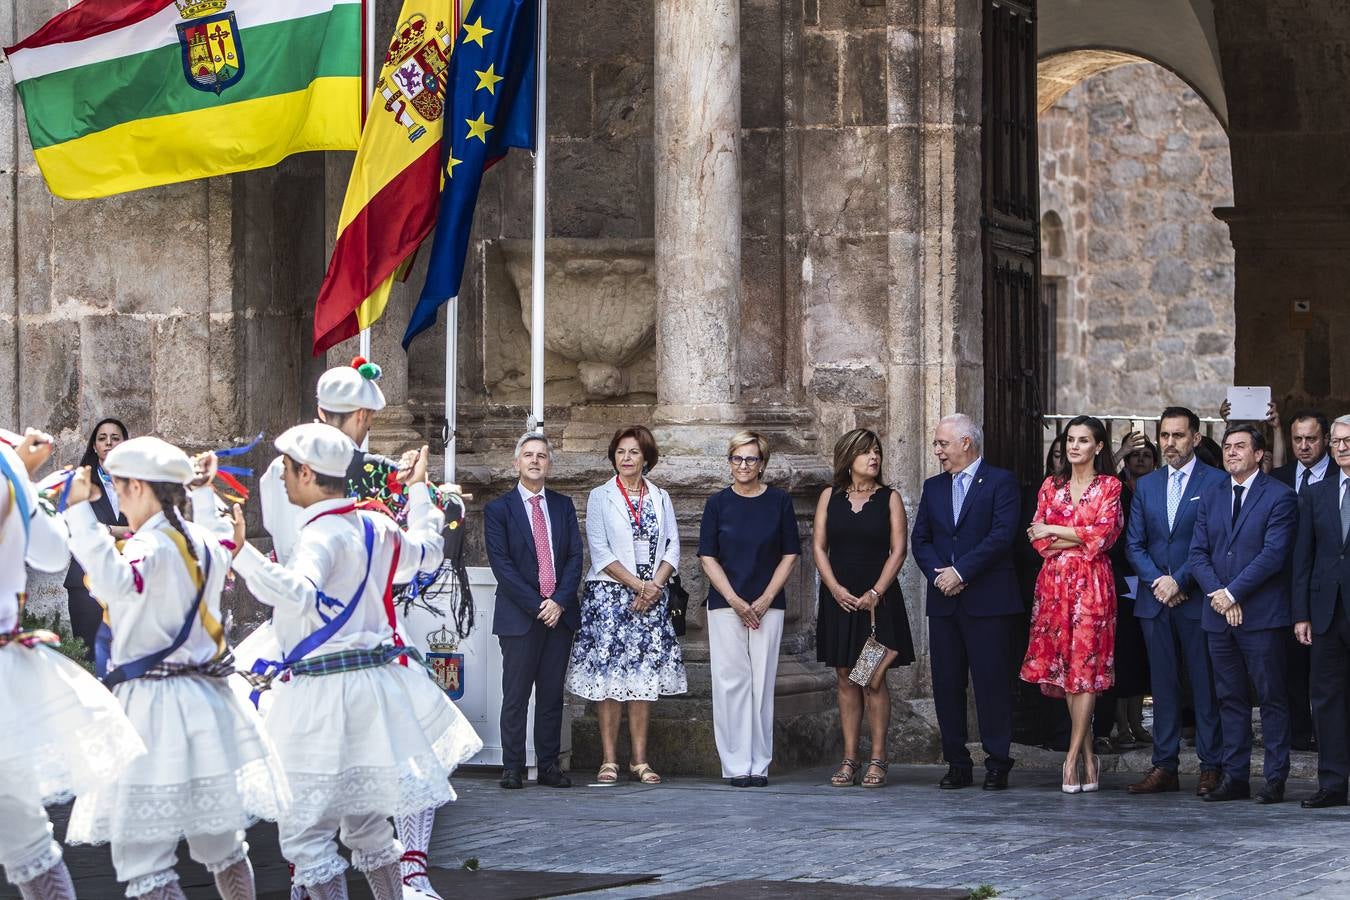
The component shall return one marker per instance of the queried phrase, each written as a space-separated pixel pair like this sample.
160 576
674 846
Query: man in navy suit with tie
534 548
1168 603
968 519
1321 593
1243 536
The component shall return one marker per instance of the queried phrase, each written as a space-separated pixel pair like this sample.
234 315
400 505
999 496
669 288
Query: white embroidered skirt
380 740
210 767
63 733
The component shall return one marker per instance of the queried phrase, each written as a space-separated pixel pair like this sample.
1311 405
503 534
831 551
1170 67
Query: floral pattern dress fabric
1073 624
619 654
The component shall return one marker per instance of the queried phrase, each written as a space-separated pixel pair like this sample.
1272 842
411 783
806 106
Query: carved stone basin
600 303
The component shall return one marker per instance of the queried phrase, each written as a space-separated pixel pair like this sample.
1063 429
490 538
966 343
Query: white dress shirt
1186 472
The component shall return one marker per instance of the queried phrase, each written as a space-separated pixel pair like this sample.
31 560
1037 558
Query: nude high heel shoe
1094 773
1070 783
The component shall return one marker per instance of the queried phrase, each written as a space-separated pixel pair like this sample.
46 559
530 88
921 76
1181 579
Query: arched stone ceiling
1080 38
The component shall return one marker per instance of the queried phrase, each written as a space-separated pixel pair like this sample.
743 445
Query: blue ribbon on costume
270 668
138 667
20 498
238 471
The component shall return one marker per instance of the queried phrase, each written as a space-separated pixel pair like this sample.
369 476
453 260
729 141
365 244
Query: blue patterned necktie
1174 498
958 494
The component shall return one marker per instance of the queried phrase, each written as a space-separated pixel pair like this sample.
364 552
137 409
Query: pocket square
1193 499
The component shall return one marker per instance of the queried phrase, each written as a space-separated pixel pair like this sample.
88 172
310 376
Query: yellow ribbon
210 623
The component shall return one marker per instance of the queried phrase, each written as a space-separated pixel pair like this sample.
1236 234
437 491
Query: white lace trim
418 783
234 858
149 813
592 684
138 887
42 862
365 861
321 872
92 753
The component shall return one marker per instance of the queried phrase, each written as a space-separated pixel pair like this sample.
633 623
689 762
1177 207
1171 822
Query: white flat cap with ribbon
321 447
349 388
149 459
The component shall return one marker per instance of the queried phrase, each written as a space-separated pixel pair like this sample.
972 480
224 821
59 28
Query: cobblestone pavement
1031 841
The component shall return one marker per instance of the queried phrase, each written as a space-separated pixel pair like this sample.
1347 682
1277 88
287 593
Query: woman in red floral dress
1070 653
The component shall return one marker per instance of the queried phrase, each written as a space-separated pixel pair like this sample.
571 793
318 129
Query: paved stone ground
1031 841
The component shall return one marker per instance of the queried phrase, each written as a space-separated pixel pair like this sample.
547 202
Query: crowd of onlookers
1130 571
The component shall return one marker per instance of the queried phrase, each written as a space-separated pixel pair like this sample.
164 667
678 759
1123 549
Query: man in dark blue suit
1308 434
1244 534
968 519
1321 593
1168 603
534 548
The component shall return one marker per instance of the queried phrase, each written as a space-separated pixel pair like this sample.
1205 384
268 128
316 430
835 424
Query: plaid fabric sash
352 660
220 667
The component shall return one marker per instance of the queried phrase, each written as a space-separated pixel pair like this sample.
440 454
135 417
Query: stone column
698 208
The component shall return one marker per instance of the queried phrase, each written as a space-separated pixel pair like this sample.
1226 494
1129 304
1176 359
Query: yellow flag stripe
373 306
190 145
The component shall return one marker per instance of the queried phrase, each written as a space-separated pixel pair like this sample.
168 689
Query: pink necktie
547 580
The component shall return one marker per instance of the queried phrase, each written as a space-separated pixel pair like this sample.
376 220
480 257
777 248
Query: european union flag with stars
489 109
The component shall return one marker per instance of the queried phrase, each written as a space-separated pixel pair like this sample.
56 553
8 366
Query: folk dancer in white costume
210 770
63 733
348 398
362 737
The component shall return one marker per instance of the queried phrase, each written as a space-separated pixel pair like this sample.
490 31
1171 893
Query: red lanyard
636 511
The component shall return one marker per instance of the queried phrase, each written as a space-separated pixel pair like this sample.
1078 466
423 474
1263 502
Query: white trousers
26 846
744 663
145 867
314 854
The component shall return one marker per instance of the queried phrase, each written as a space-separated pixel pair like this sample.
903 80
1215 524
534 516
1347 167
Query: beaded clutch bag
874 659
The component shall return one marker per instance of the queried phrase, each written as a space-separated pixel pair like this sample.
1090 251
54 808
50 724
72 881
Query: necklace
854 489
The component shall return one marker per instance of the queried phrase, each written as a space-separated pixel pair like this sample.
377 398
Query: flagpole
451 384
367 91
536 420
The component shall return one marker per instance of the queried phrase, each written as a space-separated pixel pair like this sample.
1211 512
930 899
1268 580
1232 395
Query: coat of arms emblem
414 77
213 54
446 664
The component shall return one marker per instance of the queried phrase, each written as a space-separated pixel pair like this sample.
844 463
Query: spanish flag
127 94
395 184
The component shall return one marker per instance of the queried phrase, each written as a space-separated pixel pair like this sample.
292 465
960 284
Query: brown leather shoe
1157 781
1209 780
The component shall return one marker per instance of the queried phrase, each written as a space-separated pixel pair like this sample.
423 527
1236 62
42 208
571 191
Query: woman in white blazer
626 651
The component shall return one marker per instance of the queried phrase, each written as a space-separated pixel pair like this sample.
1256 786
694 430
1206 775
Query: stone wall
1132 164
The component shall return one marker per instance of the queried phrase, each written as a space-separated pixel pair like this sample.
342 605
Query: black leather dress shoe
759 780
1229 789
1325 799
956 778
1273 792
554 777
996 781
740 781
512 779
1303 743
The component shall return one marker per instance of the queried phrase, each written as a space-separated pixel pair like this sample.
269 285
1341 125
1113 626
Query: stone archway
1133 164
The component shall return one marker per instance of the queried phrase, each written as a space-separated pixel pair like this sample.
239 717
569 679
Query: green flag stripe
278 58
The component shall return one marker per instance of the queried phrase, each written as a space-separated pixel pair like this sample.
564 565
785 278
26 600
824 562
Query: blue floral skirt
619 654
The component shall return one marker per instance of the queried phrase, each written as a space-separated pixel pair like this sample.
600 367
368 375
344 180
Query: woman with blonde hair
859 541
748 545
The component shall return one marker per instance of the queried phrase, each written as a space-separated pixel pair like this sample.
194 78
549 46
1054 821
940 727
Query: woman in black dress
85 612
860 542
